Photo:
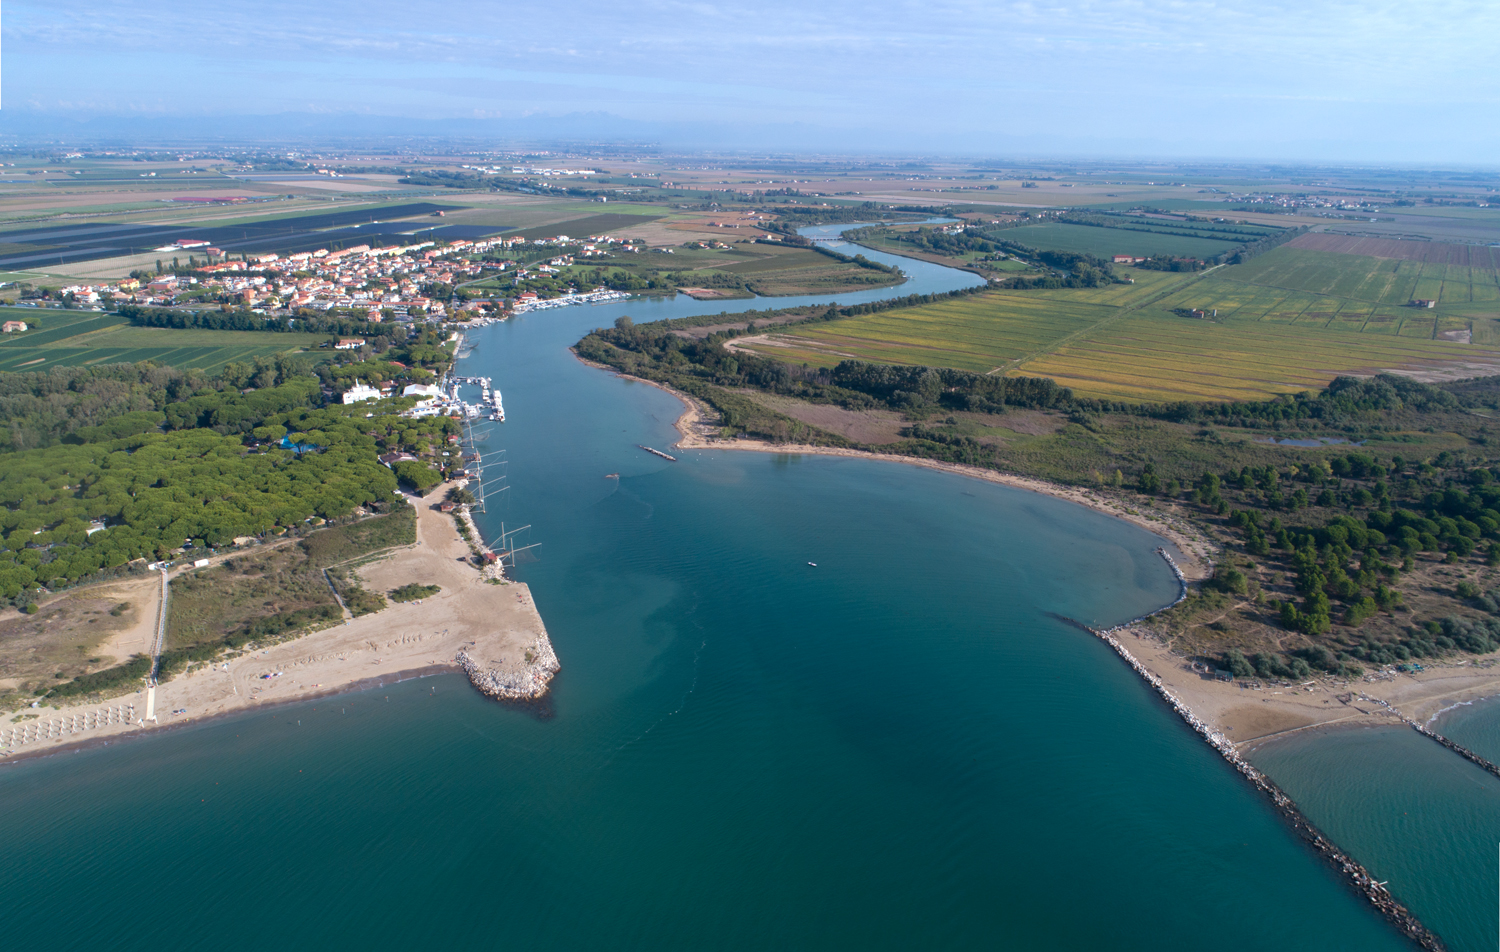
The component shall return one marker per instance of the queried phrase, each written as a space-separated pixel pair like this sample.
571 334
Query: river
898 747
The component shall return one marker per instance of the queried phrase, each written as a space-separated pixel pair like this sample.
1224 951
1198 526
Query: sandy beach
495 624
1249 711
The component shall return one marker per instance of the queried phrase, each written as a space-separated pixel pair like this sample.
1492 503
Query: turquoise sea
900 747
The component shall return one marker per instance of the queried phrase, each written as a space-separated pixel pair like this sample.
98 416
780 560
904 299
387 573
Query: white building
360 392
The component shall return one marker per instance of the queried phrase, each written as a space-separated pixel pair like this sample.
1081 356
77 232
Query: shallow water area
1415 814
1473 724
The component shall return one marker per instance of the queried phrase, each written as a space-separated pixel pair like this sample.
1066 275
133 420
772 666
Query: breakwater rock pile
1356 874
526 681
1426 731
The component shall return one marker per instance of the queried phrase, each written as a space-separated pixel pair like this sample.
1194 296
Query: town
421 280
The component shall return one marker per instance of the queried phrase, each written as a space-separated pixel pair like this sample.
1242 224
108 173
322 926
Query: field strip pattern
1159 357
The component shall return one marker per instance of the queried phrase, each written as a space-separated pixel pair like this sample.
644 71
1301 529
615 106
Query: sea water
904 745
1414 813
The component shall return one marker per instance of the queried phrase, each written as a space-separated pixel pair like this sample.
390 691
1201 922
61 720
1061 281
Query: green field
84 338
582 227
1125 342
1350 293
1154 356
977 333
1359 278
1103 242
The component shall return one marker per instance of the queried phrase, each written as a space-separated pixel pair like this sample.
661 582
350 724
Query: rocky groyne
1356 874
524 681
1426 731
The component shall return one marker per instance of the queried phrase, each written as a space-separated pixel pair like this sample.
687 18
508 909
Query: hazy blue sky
1372 80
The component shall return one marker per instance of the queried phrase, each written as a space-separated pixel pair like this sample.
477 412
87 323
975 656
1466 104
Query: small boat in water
813 564
611 475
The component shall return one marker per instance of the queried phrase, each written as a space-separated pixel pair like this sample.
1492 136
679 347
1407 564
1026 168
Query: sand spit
488 627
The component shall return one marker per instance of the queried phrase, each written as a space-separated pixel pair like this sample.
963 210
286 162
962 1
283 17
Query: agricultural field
1436 252
44 246
83 338
1154 356
1352 293
1125 342
583 227
978 333
1103 242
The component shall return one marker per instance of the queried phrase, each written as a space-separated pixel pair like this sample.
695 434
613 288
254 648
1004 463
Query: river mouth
897 747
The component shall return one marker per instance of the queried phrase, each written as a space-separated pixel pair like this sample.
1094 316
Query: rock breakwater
1426 731
1356 874
523 681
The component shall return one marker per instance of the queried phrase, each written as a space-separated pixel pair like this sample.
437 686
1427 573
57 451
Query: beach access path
495 623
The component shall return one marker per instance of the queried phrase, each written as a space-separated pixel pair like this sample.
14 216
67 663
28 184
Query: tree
419 476
1232 581
1238 664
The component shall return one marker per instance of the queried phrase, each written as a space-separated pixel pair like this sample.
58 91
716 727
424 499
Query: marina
597 296
489 406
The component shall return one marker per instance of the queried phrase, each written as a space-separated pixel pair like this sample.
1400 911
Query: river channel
896 748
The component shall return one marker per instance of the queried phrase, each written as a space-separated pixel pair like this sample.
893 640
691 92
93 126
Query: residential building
360 392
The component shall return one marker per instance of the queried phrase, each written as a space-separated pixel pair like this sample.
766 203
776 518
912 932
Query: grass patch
59 650
412 592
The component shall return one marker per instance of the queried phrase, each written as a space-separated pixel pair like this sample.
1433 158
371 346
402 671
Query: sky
1370 81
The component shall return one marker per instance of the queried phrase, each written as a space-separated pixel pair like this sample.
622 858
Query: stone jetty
1356 874
1428 732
